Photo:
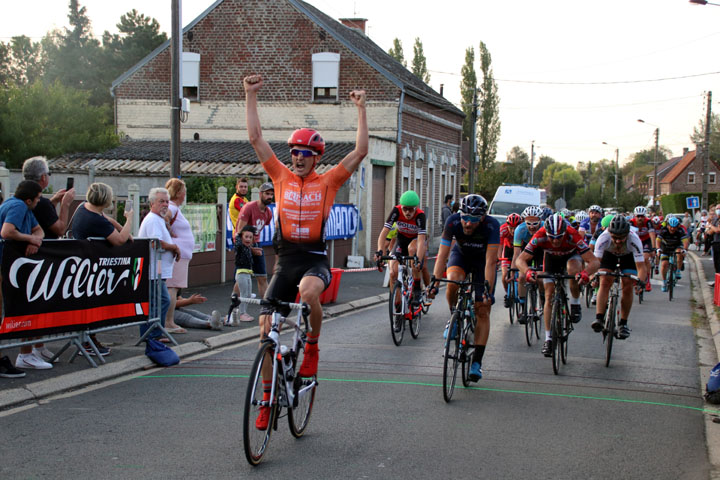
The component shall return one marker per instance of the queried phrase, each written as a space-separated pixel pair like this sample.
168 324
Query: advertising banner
343 222
72 285
203 223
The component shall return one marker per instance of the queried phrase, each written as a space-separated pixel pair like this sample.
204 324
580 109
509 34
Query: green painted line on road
498 390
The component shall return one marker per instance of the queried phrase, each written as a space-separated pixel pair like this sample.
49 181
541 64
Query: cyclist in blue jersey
523 234
477 238
589 226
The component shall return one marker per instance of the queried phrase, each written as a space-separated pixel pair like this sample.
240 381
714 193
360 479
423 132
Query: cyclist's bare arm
522 263
516 253
441 261
491 256
642 270
421 246
591 262
353 159
252 84
382 239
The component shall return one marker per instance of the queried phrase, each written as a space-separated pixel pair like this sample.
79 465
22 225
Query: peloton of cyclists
477 237
564 251
646 233
523 234
617 245
589 226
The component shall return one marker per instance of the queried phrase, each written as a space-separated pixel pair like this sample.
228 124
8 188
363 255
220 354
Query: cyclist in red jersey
646 233
507 236
565 250
304 199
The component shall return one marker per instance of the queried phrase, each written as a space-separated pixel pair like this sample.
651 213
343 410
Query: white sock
574 301
548 336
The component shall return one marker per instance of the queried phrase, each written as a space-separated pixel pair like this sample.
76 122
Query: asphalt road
379 411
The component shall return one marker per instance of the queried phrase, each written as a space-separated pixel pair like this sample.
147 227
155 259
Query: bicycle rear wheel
467 353
671 281
511 300
255 441
304 390
588 295
609 331
451 357
556 335
397 319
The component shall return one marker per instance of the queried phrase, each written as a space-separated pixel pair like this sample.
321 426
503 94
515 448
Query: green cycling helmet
605 222
409 199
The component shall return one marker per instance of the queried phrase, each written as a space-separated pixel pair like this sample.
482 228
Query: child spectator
244 269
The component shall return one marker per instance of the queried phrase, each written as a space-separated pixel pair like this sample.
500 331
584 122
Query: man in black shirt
54 225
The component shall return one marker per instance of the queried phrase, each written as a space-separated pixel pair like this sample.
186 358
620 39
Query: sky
571 74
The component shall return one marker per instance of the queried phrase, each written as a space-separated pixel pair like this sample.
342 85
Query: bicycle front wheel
451 357
609 329
671 281
511 300
566 328
255 441
588 295
467 352
556 334
397 319
531 314
415 322
304 390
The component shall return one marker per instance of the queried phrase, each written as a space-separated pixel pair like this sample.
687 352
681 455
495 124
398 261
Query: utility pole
617 163
175 93
532 163
655 164
473 148
706 154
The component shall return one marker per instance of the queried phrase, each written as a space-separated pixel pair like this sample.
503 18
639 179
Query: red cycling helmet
514 220
307 137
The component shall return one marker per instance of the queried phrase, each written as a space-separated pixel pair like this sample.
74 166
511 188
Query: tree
561 180
419 63
21 61
489 119
72 56
139 35
468 85
519 157
698 136
543 162
396 51
51 120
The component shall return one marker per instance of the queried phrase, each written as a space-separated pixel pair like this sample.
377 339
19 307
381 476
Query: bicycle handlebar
618 275
277 304
556 276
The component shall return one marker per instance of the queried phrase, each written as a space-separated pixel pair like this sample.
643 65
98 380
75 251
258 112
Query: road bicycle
460 342
533 313
400 304
515 307
278 363
612 312
670 277
560 324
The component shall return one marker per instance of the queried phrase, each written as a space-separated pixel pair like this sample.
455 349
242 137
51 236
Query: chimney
442 87
685 151
356 23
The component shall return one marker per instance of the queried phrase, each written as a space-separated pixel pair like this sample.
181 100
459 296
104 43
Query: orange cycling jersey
303 205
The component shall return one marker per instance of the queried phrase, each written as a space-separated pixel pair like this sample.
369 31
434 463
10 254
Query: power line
616 82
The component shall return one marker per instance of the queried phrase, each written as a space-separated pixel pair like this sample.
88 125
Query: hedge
675 202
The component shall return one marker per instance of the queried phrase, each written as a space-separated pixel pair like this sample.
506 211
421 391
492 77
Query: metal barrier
83 335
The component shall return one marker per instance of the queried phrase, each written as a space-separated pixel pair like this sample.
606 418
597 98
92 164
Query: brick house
686 176
309 63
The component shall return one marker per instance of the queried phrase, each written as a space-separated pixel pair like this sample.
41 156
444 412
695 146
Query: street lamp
703 2
655 161
617 156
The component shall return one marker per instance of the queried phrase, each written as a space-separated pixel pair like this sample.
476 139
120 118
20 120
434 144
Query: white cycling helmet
640 210
580 216
596 208
532 211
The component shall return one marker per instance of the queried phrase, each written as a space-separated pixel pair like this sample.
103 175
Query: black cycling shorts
609 261
558 263
290 269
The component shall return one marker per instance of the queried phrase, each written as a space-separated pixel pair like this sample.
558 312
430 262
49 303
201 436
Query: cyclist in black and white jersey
618 245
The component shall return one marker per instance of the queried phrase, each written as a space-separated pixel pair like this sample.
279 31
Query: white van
514 198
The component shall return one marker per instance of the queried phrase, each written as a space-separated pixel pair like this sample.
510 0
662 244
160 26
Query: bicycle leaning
612 312
560 323
400 304
460 336
273 382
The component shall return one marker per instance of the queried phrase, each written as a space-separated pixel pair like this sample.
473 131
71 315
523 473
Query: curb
34 392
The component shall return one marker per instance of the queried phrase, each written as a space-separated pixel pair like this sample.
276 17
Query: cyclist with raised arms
523 234
507 235
672 238
618 245
564 251
589 226
304 199
411 239
477 237
646 233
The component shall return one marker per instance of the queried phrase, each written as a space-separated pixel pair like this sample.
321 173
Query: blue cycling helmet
547 211
673 222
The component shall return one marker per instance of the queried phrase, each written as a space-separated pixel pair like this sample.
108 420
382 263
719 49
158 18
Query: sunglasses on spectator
532 224
296 152
470 218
